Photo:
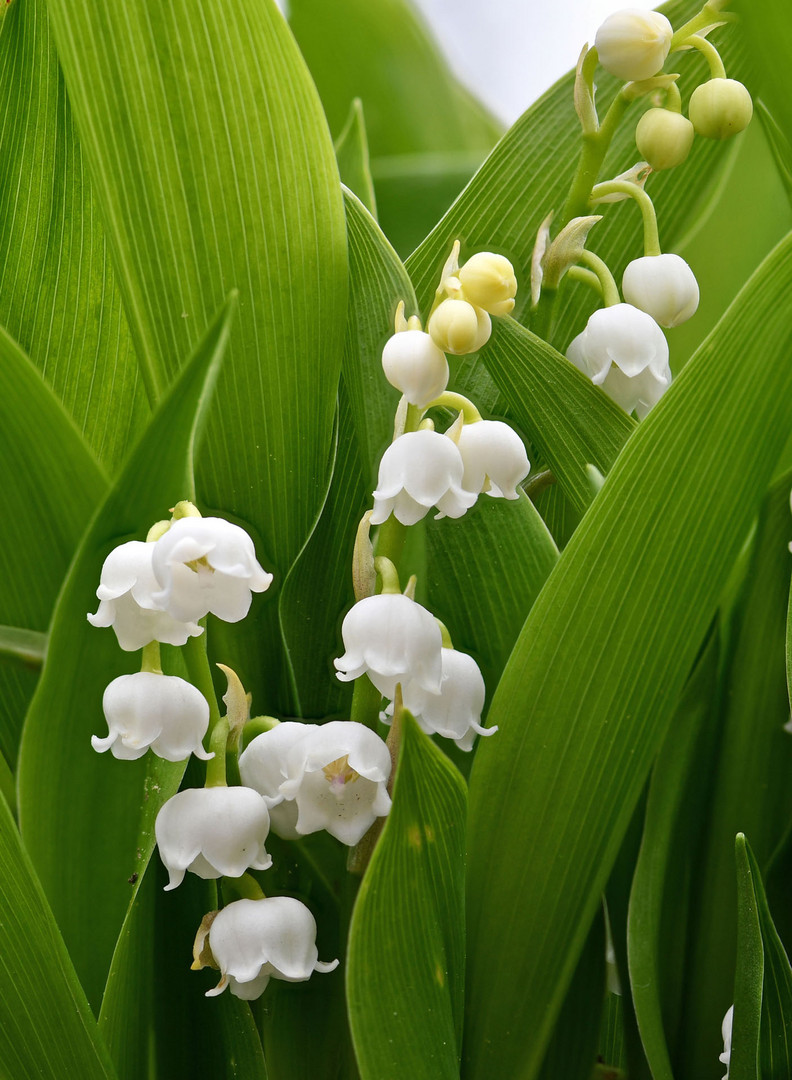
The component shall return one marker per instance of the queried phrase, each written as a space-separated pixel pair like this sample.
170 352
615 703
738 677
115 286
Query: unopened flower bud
664 138
458 327
633 44
488 281
720 108
415 366
664 286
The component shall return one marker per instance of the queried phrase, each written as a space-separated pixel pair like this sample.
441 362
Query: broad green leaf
46 1026
750 777
775 1033
352 154
58 295
568 419
768 31
749 976
7 784
27 647
383 54
587 695
405 971
213 170
88 819
779 144
51 485
657 881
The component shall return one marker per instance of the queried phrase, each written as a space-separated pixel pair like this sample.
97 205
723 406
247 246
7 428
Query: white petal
492 451
163 712
417 471
628 337
664 286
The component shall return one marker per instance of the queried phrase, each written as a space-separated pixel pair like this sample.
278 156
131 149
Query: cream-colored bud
488 281
664 138
459 327
720 108
633 44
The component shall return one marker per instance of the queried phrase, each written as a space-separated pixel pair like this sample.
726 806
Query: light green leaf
405 970
213 169
46 1026
58 295
51 486
88 819
352 155
749 976
779 144
588 692
26 647
768 31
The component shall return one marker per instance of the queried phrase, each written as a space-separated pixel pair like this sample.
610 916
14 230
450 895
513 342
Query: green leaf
352 155
58 295
588 692
412 101
213 169
46 1026
657 881
779 144
775 1033
768 32
405 968
26 647
51 486
88 819
569 420
749 977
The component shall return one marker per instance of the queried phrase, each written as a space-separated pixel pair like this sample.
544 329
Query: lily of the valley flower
262 766
415 366
664 138
419 470
488 281
126 594
162 712
393 640
207 565
454 713
663 286
337 778
633 44
494 458
252 941
726 1032
213 832
459 327
720 108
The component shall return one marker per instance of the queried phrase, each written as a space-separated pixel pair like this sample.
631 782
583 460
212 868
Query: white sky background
510 51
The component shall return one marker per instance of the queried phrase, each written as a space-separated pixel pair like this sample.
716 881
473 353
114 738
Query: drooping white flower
633 44
415 366
337 778
253 941
419 470
213 832
720 108
488 281
624 351
494 458
726 1032
459 327
393 640
207 564
454 713
146 710
262 766
663 286
126 594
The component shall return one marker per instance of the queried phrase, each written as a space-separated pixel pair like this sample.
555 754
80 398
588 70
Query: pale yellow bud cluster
484 286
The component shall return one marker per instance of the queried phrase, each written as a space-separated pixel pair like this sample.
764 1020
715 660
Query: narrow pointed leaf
749 976
589 690
352 154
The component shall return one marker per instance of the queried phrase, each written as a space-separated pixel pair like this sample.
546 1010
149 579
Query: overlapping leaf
590 688
88 820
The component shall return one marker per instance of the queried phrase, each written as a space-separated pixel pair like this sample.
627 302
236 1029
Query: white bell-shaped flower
337 778
638 394
494 458
253 941
393 640
663 286
126 594
146 710
415 366
459 327
726 1033
207 564
262 766
454 713
419 470
213 832
633 44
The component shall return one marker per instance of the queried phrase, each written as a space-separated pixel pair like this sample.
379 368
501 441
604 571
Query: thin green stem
624 187
241 888
709 14
388 575
150 659
450 400
610 292
710 54
366 700
200 675
587 277
592 154
216 767
673 99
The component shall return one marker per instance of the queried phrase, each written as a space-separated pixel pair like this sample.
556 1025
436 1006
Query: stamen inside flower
196 565
339 773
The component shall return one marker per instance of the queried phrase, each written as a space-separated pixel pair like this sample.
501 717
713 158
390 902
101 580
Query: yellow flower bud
488 281
664 138
458 327
720 108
